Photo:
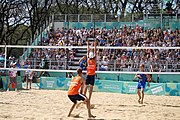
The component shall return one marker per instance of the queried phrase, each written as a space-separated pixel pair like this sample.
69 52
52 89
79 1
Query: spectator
104 64
18 65
125 36
12 76
29 77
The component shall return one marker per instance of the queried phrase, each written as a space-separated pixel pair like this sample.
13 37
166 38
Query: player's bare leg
90 94
142 96
26 84
79 103
85 90
8 86
139 95
30 84
87 101
72 108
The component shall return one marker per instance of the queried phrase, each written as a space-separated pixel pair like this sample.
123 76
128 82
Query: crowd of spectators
115 59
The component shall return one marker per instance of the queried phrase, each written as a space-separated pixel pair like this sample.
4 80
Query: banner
107 86
155 89
5 81
129 87
172 89
53 83
127 77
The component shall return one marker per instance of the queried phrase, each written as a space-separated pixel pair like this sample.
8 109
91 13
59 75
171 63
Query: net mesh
113 63
158 60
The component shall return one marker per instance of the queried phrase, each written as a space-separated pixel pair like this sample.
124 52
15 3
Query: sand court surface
55 105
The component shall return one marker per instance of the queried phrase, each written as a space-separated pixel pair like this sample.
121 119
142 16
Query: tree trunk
123 8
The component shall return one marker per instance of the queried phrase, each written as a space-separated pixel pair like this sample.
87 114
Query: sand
54 105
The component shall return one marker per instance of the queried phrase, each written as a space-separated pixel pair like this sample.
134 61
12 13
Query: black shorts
90 79
78 97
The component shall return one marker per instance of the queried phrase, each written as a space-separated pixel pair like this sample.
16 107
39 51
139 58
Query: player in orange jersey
74 94
91 68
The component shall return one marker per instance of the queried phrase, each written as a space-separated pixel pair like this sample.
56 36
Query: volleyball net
112 62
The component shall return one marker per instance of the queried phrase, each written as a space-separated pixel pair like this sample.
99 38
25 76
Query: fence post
66 67
161 20
176 16
34 63
132 17
50 64
92 17
114 65
78 18
5 55
52 21
105 18
65 18
146 17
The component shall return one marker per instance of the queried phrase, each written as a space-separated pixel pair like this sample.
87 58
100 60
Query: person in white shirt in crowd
104 64
29 77
12 76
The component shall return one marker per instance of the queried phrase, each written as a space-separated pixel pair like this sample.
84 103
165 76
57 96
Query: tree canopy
21 19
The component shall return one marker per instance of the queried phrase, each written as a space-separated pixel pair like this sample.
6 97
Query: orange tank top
74 86
91 68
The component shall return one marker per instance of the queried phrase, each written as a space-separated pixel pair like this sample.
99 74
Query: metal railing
96 18
149 20
112 66
107 17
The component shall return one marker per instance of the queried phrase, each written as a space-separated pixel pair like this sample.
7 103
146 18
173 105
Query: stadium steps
77 58
78 55
73 67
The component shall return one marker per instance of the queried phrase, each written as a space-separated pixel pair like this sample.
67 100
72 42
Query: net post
5 55
114 65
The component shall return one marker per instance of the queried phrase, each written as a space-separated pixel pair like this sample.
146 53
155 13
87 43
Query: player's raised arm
95 49
88 49
135 76
82 85
80 60
149 79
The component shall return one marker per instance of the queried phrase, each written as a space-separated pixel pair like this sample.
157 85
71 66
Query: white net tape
98 47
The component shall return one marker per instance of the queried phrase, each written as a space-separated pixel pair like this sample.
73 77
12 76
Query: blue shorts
141 85
83 68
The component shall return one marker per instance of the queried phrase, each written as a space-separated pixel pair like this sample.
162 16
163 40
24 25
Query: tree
169 7
20 20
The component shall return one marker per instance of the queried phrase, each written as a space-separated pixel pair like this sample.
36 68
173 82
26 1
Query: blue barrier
5 81
172 89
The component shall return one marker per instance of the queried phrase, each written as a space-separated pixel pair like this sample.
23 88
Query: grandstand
138 52
113 37
122 34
